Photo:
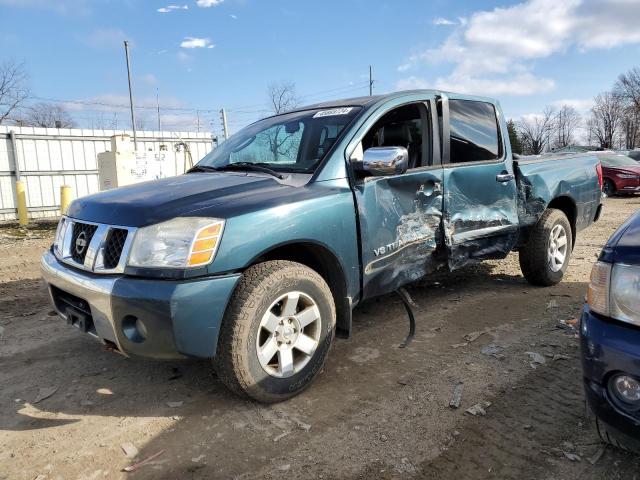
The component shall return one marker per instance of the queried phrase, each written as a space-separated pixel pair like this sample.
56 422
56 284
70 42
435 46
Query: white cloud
582 105
170 8
106 38
195 42
208 3
183 57
412 83
517 85
62 7
492 51
443 21
149 79
235 17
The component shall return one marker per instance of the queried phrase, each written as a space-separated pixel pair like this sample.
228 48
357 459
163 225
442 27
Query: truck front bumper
161 319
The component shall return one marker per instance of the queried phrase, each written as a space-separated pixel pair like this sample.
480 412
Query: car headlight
60 233
614 291
626 175
183 242
624 300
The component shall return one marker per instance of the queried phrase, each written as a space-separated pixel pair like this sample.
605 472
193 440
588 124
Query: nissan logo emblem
81 243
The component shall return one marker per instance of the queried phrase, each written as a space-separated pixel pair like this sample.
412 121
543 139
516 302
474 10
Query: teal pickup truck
256 257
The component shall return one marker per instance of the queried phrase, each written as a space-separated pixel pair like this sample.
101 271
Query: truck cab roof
368 101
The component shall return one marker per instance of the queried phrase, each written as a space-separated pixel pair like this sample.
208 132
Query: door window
402 127
474 132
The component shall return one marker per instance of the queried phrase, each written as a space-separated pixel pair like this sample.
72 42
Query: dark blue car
610 338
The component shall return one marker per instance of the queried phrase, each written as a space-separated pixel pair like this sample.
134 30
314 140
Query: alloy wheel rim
288 335
558 244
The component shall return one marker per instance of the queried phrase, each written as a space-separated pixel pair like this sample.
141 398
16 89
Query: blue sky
216 53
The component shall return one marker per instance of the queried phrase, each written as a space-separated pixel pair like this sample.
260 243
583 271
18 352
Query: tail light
599 172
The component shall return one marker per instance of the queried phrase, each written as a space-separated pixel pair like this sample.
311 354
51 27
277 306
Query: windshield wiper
258 167
202 168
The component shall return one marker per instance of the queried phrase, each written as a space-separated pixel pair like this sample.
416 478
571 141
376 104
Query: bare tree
48 115
535 132
627 89
141 123
606 119
282 97
13 88
630 135
566 122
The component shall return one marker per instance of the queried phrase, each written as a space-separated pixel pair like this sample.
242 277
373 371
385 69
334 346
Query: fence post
65 198
23 216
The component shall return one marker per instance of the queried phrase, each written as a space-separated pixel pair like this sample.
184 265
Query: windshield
292 142
617 161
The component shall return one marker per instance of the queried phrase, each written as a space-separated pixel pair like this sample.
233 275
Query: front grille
95 247
113 247
80 240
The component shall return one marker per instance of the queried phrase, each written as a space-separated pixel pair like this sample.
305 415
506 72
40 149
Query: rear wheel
276 332
545 257
608 188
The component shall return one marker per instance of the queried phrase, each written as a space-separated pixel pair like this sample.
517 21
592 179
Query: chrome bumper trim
94 289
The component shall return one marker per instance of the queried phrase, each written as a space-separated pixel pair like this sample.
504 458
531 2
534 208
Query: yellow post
65 198
23 216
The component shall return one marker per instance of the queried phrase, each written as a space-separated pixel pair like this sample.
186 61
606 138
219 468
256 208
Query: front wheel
608 188
545 257
276 332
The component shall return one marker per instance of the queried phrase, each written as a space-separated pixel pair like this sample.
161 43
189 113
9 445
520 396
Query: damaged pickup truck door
480 193
399 205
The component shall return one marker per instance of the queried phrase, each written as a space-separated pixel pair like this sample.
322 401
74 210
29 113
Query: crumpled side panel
531 205
401 230
481 219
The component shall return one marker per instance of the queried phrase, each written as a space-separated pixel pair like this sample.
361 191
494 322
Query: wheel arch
567 206
325 262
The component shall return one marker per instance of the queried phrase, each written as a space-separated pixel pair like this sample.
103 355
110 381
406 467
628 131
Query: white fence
46 158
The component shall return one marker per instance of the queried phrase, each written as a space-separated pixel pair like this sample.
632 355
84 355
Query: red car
621 174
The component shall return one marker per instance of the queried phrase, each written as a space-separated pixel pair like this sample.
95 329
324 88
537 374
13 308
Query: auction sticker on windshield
333 111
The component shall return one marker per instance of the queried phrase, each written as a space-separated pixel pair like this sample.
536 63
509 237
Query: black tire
534 261
237 362
608 187
616 438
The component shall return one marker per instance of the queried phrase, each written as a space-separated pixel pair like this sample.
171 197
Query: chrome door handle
505 177
430 188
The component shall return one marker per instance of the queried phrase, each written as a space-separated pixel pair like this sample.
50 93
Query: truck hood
197 194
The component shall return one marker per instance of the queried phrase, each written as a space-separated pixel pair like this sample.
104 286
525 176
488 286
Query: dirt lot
376 411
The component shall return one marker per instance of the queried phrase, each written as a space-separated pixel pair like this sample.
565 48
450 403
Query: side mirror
381 161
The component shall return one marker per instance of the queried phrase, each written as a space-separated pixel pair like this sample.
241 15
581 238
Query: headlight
183 242
624 299
60 233
614 291
626 175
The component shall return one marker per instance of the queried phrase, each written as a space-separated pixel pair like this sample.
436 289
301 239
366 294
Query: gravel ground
376 411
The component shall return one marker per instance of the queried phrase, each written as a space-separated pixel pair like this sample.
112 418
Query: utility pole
224 123
158 107
370 81
198 119
133 116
